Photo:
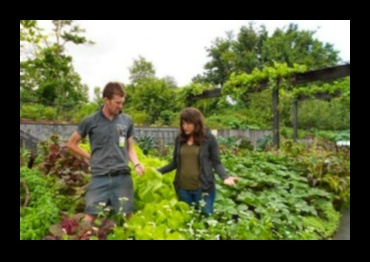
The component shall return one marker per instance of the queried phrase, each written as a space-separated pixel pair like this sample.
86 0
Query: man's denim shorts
116 191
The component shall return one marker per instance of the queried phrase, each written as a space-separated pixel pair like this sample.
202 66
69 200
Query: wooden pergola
325 74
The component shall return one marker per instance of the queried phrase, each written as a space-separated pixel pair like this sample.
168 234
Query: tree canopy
48 76
254 48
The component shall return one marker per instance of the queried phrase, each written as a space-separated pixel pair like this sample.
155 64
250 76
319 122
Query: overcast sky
175 48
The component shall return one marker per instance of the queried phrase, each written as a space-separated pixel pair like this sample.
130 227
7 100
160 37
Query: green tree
98 96
253 48
141 70
149 95
30 35
294 46
248 48
154 96
222 62
49 76
52 80
65 31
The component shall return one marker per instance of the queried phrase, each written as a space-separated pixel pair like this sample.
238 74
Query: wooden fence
165 134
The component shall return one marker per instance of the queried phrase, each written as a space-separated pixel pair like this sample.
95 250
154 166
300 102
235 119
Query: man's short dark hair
113 88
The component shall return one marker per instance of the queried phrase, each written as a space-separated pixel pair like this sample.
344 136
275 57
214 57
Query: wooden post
275 111
295 120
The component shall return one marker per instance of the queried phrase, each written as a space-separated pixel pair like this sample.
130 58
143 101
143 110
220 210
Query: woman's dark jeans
192 197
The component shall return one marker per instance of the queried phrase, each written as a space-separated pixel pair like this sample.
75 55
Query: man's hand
230 181
139 169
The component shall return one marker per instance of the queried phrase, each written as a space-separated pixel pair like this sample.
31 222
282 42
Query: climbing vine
342 86
240 83
280 74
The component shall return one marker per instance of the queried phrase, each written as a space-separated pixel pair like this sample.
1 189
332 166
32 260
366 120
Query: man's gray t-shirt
108 141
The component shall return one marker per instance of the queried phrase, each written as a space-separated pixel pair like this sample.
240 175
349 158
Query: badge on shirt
122 140
121 130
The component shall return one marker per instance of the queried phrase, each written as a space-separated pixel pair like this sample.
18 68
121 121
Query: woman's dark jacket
208 159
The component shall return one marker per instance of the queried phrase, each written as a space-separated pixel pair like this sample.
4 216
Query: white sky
176 48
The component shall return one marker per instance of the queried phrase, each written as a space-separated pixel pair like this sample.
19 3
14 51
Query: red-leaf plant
75 228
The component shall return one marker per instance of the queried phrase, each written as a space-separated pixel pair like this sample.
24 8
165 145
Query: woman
194 158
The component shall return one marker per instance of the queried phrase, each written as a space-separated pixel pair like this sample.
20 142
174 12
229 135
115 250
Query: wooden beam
320 95
206 94
324 74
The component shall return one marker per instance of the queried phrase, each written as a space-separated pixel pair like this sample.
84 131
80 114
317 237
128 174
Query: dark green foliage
145 142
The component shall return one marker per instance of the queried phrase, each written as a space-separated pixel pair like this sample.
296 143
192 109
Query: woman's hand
230 181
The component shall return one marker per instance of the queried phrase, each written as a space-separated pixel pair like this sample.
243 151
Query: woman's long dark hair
193 115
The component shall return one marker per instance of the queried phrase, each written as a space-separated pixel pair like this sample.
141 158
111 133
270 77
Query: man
111 141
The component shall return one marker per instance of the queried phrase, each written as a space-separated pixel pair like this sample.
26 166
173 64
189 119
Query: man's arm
73 145
139 168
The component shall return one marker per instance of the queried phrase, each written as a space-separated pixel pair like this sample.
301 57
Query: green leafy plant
41 210
145 142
